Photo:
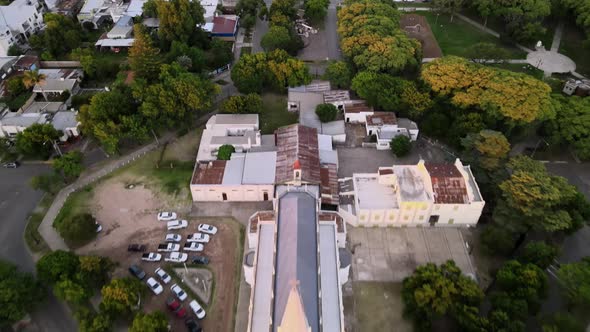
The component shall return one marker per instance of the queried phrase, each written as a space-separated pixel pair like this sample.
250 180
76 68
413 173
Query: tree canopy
574 278
144 58
326 112
121 296
339 74
490 148
400 146
152 322
248 104
61 35
539 253
77 230
19 294
316 10
37 140
571 124
225 151
70 164
179 20
517 97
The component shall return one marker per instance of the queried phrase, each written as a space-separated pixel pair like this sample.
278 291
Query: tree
487 53
400 146
484 8
490 148
516 97
195 54
339 74
248 104
61 35
37 140
437 291
179 20
574 278
57 265
49 183
87 60
70 164
326 112
15 86
562 321
523 281
15 50
144 58
220 54
90 322
152 322
276 70
77 230
316 10
225 151
571 124
95 270
121 296
497 240
71 291
248 11
277 37
19 294
522 18
539 253
32 78
447 6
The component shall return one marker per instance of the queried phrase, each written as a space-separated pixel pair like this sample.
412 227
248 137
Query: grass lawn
378 307
275 114
454 38
34 240
78 202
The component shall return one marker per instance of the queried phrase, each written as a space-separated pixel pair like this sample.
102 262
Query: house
412 195
305 99
6 66
67 123
99 11
18 21
210 7
224 27
57 81
12 123
54 113
123 29
386 126
356 111
239 130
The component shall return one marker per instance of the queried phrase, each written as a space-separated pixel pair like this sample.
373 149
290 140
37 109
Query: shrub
326 112
225 152
400 145
79 229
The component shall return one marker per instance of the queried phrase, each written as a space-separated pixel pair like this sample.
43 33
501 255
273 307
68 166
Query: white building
18 21
411 195
57 81
66 122
12 123
99 11
385 126
239 130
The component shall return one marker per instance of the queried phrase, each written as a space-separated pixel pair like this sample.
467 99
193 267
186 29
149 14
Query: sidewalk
50 234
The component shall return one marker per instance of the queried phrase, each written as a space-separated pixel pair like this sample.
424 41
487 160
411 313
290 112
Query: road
260 30
17 201
333 40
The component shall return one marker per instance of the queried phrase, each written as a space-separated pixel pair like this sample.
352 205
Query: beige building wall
236 193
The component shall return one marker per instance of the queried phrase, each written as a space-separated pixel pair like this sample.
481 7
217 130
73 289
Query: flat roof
224 119
334 128
135 8
333 96
45 106
329 157
64 119
55 85
473 185
260 167
262 292
381 119
209 173
330 290
234 169
370 194
23 120
406 123
411 183
314 86
127 42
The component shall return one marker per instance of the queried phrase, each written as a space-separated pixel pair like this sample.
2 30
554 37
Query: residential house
224 27
386 126
57 81
66 122
239 130
12 123
123 29
99 11
18 21
412 195
54 113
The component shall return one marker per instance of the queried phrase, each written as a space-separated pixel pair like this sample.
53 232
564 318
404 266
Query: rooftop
329 184
314 86
44 106
135 8
209 173
370 194
259 167
224 25
330 290
297 143
357 107
210 6
411 183
65 119
448 184
381 119
262 293
406 123
233 119
23 120
333 96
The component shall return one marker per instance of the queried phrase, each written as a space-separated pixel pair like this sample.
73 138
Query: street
260 30
17 201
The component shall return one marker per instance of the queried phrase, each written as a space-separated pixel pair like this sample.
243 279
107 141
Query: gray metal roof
234 168
297 258
64 119
329 278
259 168
261 303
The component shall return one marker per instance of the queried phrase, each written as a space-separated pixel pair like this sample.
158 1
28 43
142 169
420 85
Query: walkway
50 234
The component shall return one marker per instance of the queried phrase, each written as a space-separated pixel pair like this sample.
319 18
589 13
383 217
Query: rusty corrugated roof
448 184
329 185
209 173
381 118
297 143
357 107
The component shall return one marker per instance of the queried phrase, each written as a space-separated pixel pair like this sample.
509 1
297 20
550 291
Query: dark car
175 306
136 247
137 272
192 325
200 260
12 164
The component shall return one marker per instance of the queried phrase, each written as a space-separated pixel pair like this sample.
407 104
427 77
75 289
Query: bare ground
416 26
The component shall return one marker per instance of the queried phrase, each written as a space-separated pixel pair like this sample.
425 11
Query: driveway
391 254
17 201
323 45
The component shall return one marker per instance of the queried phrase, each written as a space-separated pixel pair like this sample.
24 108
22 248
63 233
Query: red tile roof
329 178
448 184
224 25
357 107
209 173
381 118
297 143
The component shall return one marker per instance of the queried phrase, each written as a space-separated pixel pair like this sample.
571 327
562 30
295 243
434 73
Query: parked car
151 257
197 309
155 286
177 224
136 247
206 228
12 164
176 257
200 260
193 246
175 306
168 247
137 272
198 237
166 216
192 325
173 237
180 294
163 275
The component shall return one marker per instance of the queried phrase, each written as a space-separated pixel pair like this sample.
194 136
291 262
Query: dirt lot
417 27
129 216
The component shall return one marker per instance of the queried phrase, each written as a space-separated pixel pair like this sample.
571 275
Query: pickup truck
168 247
136 247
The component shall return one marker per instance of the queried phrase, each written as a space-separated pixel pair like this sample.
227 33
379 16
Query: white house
385 126
123 29
67 123
18 21
57 81
12 123
98 11
356 111
411 195
239 130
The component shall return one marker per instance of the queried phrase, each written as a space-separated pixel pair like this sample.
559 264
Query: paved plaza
391 254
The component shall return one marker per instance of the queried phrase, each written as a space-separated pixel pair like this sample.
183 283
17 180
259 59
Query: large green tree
523 281
144 57
326 112
571 124
77 230
61 35
37 140
522 17
574 278
121 296
19 294
248 104
339 74
539 253
316 10
277 37
447 6
489 148
179 20
56 266
152 322
70 164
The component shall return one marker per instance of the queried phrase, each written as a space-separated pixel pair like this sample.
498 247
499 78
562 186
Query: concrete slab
551 62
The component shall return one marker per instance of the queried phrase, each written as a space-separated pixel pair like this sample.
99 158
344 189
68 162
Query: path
557 37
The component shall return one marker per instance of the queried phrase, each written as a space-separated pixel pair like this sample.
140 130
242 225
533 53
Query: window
451 221
421 218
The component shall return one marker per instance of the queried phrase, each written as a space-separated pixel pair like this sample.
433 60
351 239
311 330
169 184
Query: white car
197 309
198 237
206 228
176 257
163 275
173 237
166 216
180 294
193 246
151 257
177 224
155 286
168 247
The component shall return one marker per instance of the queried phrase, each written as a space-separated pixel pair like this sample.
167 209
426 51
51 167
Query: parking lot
391 254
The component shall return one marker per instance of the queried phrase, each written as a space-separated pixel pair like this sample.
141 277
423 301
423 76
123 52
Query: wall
357 117
458 214
236 193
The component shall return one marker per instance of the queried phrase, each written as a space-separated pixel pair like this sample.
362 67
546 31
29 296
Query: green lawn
275 114
454 38
378 307
34 240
